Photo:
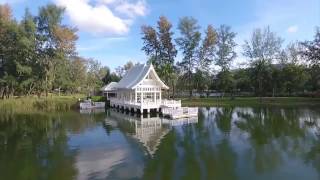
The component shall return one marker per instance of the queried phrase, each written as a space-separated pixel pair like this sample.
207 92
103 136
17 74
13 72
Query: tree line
38 55
206 59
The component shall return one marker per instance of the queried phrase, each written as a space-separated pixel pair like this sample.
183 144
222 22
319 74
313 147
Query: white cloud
100 17
131 10
292 29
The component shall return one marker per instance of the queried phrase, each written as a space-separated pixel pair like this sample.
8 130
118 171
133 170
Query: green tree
110 77
122 70
225 47
262 49
292 74
151 44
78 74
311 52
188 42
48 20
225 81
225 54
159 47
207 49
96 73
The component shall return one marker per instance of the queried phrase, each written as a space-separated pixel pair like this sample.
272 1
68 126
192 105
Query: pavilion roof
136 74
109 87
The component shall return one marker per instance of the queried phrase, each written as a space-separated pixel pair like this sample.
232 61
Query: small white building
139 90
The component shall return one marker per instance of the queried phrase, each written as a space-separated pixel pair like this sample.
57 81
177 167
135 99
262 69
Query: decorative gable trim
151 68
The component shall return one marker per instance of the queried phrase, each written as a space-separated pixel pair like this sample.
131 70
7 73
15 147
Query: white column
135 95
160 95
141 98
154 97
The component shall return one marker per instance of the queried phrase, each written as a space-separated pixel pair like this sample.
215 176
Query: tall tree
159 47
5 12
151 45
312 49
225 47
78 74
262 49
207 49
122 70
188 42
110 77
167 50
206 52
225 54
56 44
96 73
9 56
48 20
28 60
312 53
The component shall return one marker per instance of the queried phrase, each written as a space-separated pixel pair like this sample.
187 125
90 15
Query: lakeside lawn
250 101
34 103
68 102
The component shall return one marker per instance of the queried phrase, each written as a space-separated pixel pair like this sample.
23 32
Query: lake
222 143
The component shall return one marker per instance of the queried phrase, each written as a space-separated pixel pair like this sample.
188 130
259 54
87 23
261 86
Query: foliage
225 47
262 50
159 47
188 42
38 55
312 49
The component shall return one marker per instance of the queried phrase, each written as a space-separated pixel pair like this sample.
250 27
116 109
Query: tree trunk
46 90
273 92
260 89
2 93
173 91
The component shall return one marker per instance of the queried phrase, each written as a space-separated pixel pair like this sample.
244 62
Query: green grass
251 101
46 104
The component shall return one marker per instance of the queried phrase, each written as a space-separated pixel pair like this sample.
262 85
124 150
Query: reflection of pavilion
147 130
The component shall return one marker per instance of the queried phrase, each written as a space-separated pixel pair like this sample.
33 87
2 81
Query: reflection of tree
223 118
108 128
266 124
191 152
274 133
162 166
313 156
35 147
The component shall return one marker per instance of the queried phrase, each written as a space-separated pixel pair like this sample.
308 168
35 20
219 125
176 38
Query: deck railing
164 102
180 112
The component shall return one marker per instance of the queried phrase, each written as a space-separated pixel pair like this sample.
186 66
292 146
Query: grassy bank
31 104
251 101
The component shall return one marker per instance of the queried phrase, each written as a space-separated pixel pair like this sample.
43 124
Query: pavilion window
139 97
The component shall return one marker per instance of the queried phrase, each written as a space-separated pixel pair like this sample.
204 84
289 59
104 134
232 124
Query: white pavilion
139 90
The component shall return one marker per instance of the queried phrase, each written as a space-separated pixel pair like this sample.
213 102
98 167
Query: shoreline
251 101
66 103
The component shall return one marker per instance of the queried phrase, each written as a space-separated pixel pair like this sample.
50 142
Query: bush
98 98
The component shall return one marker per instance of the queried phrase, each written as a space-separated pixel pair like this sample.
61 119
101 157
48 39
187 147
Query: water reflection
223 143
148 129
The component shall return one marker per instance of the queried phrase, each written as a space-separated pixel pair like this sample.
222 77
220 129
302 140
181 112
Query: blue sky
109 30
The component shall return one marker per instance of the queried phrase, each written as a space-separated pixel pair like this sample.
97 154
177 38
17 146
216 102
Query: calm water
223 143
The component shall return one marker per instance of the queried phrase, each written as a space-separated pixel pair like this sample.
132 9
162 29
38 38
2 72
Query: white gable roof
136 74
109 87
